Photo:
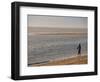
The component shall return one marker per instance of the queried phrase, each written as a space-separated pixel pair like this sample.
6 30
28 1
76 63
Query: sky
57 21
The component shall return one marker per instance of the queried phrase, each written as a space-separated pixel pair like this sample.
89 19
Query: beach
44 48
74 60
54 46
55 40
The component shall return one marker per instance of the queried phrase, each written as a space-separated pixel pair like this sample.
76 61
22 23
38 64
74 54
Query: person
79 49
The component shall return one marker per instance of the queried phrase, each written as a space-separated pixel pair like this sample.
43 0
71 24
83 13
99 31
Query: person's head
79 43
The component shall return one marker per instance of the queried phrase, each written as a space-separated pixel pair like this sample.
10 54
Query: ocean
46 47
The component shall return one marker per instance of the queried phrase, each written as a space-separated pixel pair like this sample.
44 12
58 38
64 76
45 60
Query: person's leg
78 52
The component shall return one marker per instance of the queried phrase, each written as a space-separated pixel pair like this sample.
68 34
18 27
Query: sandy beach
65 61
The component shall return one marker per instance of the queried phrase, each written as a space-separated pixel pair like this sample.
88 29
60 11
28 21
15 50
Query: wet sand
75 60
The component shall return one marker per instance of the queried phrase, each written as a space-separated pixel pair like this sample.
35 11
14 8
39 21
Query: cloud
57 21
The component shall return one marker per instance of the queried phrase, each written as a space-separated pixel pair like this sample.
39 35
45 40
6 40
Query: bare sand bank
66 61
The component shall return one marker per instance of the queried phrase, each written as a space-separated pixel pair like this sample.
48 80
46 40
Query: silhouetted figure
79 49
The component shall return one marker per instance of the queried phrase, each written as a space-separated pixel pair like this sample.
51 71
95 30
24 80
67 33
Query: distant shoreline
57 33
62 30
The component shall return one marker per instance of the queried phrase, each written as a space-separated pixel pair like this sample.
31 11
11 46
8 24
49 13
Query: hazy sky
57 21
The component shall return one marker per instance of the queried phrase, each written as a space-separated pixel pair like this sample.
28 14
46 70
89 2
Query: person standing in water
79 49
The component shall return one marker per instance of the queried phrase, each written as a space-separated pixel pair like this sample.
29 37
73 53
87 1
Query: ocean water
43 48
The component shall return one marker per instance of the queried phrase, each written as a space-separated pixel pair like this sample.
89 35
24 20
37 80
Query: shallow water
48 47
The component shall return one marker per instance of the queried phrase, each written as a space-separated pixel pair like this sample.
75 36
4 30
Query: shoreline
70 61
73 60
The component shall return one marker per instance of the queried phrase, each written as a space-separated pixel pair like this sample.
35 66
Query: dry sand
66 61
